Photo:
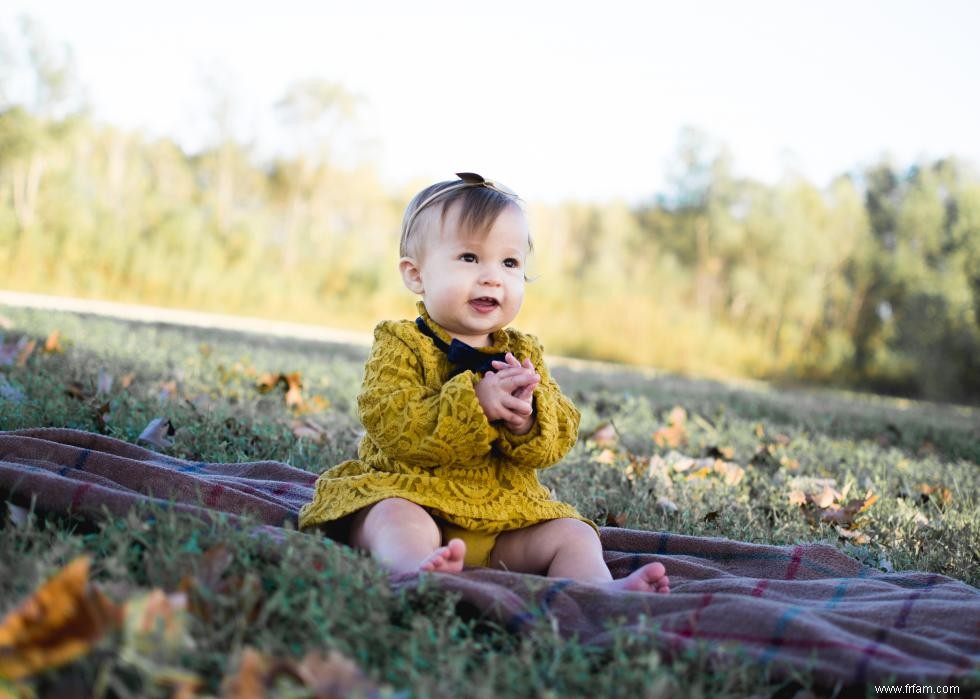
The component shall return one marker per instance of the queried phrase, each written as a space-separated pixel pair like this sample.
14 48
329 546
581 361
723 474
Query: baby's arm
555 422
414 423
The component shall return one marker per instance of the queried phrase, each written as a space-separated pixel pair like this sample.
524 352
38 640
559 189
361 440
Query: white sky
555 99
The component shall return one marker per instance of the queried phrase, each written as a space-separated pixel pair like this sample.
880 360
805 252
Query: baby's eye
512 262
468 257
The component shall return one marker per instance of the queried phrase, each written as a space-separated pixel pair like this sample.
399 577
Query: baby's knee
571 530
393 512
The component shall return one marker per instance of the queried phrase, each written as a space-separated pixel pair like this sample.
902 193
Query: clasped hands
506 394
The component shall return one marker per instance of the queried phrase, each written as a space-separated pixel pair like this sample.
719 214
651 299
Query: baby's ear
411 274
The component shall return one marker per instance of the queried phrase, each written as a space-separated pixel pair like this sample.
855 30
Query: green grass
418 644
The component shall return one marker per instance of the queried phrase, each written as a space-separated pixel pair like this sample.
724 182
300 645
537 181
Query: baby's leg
404 538
569 548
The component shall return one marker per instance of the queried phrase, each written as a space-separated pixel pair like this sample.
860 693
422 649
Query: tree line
872 281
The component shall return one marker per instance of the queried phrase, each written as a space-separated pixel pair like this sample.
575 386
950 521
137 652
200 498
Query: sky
557 100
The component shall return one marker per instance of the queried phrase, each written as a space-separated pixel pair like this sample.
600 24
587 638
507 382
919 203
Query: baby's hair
481 201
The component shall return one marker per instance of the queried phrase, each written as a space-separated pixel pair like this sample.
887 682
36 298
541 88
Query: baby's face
473 286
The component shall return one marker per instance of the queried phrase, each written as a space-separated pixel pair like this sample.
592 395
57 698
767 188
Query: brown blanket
794 609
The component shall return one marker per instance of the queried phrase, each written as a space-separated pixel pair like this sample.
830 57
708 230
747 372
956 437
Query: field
892 483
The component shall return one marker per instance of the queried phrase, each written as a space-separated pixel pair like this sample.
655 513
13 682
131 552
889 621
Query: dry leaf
606 456
797 497
617 520
309 429
716 452
159 433
126 379
248 682
825 498
155 635
294 391
103 417
18 516
10 392
667 505
939 493
675 434
334 676
75 389
26 348
53 343
605 435
60 622
316 404
212 566
168 389
852 535
103 384
156 624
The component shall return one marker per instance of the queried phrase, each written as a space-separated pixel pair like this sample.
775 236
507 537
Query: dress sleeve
415 423
555 427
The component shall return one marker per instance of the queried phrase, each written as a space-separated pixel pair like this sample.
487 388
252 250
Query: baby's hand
507 394
524 392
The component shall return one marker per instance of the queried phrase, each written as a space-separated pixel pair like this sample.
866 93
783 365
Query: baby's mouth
484 303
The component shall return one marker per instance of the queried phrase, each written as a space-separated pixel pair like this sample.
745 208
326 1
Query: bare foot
445 559
650 578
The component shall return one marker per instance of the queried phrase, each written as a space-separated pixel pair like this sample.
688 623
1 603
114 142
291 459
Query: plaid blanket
804 609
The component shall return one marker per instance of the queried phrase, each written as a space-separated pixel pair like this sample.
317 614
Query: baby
460 412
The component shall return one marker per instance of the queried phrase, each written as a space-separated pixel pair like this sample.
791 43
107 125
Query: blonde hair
480 205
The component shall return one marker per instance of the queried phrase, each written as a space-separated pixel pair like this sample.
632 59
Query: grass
921 460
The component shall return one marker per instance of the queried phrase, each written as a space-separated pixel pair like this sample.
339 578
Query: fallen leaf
25 350
797 497
606 456
309 429
716 452
667 505
248 681
293 383
60 622
103 383
18 516
159 433
155 635
103 416
760 430
10 392
316 404
168 389
76 389
675 434
53 343
334 676
788 463
852 535
617 520
939 493
605 435
201 587
126 379
825 498
294 391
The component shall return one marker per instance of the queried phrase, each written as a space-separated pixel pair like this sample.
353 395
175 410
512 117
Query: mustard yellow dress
428 440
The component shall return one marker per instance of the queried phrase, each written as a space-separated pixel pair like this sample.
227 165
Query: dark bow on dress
460 354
